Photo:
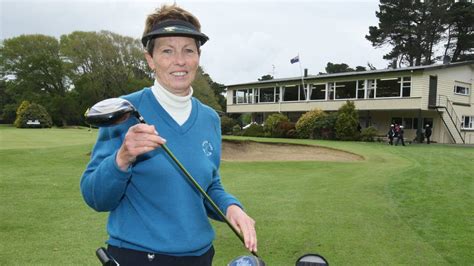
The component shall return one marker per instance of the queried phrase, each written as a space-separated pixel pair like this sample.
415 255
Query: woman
156 217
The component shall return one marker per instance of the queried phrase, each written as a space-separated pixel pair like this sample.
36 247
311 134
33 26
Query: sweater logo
207 148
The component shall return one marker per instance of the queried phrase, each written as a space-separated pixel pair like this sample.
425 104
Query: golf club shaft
204 194
199 188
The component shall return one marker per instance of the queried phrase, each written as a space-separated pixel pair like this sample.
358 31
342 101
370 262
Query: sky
248 39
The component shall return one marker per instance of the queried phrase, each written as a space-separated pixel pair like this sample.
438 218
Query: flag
295 59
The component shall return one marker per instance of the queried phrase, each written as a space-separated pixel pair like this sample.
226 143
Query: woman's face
175 61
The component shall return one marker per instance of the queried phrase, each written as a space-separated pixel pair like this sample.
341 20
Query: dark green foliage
32 112
9 113
254 130
70 75
415 28
286 129
227 125
219 90
203 91
339 68
39 71
368 134
104 65
265 77
236 130
271 125
460 37
325 126
347 122
245 119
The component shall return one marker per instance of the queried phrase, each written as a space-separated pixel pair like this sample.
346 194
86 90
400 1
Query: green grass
401 205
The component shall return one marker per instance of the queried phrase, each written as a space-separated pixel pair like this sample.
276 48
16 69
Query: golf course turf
399 205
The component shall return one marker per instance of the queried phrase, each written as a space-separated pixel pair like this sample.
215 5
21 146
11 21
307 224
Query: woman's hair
168 12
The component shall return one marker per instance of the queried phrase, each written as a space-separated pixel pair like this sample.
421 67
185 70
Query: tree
104 65
460 32
266 77
414 28
219 90
32 112
203 91
347 122
227 124
337 68
332 68
38 70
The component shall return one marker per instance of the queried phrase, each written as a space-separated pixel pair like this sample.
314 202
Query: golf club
114 111
312 260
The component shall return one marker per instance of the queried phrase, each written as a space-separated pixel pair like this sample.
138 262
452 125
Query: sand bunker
258 151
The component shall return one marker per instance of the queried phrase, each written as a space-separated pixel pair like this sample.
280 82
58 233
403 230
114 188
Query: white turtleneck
178 107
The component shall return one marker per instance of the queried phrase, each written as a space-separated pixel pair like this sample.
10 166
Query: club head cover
247 261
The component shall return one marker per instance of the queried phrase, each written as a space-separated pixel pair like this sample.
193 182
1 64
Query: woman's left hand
244 224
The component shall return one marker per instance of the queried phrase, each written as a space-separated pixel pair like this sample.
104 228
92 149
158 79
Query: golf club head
312 260
247 261
109 112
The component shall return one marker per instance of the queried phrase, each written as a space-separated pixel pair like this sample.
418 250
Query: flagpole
302 79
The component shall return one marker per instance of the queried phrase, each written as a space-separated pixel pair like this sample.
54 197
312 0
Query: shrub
347 122
325 126
245 119
32 112
20 111
271 125
286 129
307 123
227 125
254 130
368 134
236 130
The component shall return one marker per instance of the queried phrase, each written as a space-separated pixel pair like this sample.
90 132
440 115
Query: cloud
247 38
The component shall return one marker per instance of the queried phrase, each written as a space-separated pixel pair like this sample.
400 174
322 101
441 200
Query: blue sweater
153 207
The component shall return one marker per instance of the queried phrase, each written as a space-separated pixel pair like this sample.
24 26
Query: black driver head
109 112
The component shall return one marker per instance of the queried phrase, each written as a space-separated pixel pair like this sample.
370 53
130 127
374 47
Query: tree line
423 32
70 74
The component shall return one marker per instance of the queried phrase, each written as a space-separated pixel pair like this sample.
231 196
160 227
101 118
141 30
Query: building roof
356 73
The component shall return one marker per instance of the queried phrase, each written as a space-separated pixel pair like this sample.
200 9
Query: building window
406 122
406 86
267 95
302 96
467 122
360 89
290 93
318 92
388 88
256 94
461 89
370 89
243 96
346 90
331 90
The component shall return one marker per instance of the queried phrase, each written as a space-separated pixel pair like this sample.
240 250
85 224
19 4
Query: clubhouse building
438 95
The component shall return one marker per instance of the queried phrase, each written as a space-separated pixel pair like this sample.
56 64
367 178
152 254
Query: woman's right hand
140 139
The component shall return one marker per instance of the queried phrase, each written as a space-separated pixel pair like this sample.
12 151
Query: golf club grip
204 194
104 257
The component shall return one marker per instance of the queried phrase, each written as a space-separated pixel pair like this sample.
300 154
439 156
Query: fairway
400 205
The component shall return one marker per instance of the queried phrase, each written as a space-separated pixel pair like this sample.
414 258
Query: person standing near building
391 134
428 132
400 136
155 216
